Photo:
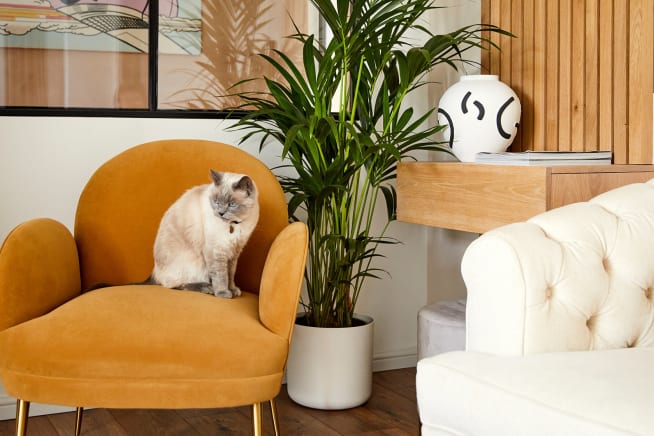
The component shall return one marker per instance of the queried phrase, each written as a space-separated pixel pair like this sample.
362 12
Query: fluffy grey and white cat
202 234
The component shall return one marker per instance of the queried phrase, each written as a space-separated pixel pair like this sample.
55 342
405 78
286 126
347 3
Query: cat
202 234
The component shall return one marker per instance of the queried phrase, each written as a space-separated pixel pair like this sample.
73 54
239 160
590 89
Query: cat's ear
216 177
246 184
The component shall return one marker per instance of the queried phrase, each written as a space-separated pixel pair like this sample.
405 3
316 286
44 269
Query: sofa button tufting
649 293
549 292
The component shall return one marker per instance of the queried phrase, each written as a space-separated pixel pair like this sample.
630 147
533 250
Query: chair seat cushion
606 392
145 346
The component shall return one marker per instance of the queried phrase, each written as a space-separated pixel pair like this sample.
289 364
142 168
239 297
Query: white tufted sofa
559 327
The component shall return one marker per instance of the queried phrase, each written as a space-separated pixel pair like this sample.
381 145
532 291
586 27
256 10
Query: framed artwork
97 53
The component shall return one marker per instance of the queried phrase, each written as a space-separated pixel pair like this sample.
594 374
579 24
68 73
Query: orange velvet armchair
138 346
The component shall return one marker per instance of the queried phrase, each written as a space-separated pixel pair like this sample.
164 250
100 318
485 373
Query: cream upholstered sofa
559 327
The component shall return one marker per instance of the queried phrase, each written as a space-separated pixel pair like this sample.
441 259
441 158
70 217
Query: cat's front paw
223 293
236 291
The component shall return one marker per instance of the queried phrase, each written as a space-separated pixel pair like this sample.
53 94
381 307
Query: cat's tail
148 281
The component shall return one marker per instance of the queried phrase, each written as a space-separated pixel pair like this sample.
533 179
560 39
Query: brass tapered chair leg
22 414
273 412
78 421
256 419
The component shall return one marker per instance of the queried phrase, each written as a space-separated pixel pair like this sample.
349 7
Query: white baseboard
395 360
7 406
8 409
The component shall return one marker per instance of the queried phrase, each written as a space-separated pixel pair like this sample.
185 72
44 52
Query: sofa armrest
282 278
39 270
533 289
575 278
497 293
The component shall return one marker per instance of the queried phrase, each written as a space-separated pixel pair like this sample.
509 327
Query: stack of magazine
546 158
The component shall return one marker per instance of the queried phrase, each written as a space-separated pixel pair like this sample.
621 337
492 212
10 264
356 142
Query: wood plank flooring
391 411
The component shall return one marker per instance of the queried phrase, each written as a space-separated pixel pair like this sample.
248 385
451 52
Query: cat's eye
232 204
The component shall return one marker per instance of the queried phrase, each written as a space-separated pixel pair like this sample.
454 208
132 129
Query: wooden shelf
479 197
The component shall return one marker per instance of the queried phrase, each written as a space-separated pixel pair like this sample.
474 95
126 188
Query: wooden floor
391 411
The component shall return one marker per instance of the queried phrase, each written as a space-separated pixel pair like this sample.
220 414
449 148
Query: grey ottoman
441 328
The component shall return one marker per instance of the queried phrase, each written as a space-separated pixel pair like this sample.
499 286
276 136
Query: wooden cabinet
479 197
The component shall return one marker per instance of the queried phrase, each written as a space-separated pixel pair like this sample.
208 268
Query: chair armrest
39 270
281 279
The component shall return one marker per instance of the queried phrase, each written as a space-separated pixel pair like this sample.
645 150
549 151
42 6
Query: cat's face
232 196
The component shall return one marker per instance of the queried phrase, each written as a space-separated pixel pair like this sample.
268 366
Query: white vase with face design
479 113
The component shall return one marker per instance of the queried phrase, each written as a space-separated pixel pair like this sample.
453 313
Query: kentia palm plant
345 154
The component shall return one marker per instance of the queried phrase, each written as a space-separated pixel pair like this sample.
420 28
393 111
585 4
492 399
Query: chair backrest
120 208
576 278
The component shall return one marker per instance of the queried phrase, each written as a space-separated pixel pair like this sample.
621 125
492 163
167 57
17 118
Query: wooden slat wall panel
620 96
491 59
552 81
522 20
584 72
506 44
486 54
591 99
605 87
641 76
565 75
540 80
577 89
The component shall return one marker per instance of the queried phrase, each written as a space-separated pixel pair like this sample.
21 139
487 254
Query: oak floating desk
479 197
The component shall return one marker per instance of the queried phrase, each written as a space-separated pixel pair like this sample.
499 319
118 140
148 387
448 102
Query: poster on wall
93 54
100 25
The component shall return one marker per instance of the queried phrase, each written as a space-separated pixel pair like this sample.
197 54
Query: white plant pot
331 368
479 113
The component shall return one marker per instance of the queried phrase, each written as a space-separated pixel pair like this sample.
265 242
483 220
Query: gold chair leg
273 412
256 419
78 421
22 414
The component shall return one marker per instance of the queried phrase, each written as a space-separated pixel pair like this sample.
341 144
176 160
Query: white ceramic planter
331 368
479 113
